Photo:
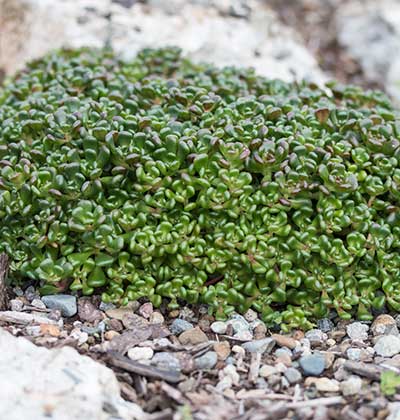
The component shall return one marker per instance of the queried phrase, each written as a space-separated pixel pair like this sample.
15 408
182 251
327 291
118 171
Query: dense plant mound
160 178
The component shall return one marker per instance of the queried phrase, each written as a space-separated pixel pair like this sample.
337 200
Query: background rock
207 31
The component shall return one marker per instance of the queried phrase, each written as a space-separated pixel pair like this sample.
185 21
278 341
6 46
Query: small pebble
37 303
166 360
80 336
109 335
31 293
259 346
387 346
384 325
357 331
156 318
324 384
260 331
267 370
193 336
316 337
313 364
325 325
207 361
351 386
293 375
146 310
16 305
244 335
140 353
223 349
353 354
284 341
65 303
178 326
218 327
106 306
250 315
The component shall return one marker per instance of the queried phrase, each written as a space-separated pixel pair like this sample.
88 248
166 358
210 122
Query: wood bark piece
4 265
23 318
124 363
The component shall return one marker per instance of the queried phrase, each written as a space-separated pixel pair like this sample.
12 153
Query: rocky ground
182 364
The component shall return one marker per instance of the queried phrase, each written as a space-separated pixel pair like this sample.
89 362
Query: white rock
218 327
80 336
387 346
140 353
30 28
357 331
370 33
58 383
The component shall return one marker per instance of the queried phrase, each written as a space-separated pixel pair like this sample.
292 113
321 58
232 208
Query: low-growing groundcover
162 178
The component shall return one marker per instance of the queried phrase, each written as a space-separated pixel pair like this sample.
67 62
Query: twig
317 402
4 265
124 363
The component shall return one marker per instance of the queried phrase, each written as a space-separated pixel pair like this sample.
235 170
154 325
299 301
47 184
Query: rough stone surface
31 28
59 384
65 303
370 32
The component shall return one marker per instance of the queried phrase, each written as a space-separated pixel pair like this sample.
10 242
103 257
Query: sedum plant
160 178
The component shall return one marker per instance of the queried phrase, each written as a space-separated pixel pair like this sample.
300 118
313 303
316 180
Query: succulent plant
161 178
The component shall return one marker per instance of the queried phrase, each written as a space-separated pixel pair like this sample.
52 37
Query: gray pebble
293 375
65 303
106 306
313 364
218 327
179 326
325 325
207 361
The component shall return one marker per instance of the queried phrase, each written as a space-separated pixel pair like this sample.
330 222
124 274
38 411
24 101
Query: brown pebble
223 349
115 324
109 335
284 341
204 324
193 336
260 332
174 314
285 359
